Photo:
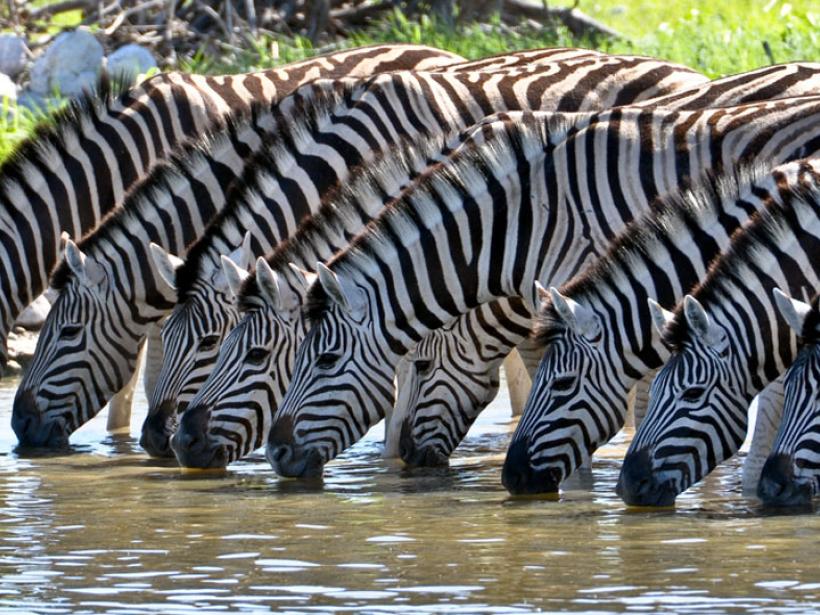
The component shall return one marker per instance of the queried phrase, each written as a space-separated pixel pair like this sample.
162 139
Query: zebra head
87 349
791 474
191 337
449 379
231 413
696 418
576 402
340 387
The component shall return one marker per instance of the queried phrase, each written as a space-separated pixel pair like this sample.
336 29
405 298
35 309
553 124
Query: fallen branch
580 24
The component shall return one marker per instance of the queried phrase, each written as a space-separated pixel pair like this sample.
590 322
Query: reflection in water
104 528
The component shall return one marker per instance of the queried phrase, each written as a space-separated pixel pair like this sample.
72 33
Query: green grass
716 38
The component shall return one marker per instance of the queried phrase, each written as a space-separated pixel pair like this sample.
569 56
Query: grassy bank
717 38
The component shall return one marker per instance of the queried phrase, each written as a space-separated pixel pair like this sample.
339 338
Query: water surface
106 529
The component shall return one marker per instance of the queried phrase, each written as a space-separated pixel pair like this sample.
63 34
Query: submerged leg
119 408
519 380
153 359
637 402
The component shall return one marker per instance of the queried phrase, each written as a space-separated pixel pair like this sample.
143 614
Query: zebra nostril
278 455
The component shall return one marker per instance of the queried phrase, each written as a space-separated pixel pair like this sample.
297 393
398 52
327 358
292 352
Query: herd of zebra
302 252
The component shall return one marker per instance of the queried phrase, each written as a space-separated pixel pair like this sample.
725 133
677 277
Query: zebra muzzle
31 426
192 443
520 478
158 429
419 456
779 486
638 484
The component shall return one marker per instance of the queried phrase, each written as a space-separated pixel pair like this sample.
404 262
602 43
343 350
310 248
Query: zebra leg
769 412
637 402
394 419
153 359
519 368
119 408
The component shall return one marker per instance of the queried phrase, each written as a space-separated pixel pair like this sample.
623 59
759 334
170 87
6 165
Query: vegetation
717 38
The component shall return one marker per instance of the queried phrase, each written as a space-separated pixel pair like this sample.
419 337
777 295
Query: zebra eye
563 384
423 367
256 356
208 342
693 393
70 331
327 360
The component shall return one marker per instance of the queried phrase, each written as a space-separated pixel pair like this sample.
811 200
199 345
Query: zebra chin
31 429
426 456
192 444
158 429
780 487
641 485
520 478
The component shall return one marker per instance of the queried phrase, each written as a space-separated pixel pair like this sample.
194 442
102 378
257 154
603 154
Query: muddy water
105 529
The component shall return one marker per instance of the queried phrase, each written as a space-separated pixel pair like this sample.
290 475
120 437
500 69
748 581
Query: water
106 529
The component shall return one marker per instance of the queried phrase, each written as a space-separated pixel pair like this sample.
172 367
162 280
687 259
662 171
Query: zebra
482 227
454 372
789 476
77 168
399 105
595 332
728 341
199 181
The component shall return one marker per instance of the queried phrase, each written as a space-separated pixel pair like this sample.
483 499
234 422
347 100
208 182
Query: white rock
13 54
8 89
70 65
33 317
129 61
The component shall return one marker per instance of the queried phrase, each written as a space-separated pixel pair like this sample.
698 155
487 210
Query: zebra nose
519 477
778 484
419 456
157 430
30 426
191 443
637 485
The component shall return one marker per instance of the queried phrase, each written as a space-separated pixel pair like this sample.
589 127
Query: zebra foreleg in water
767 422
481 228
729 341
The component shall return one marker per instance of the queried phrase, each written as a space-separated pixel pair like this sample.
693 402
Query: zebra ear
87 270
234 276
579 318
64 239
166 264
349 299
699 321
660 317
306 278
243 256
794 312
278 293
542 293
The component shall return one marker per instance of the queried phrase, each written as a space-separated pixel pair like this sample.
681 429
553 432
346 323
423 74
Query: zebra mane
155 187
50 133
468 167
763 229
680 208
299 126
364 182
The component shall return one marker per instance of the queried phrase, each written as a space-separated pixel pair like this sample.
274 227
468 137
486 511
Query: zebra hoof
779 486
30 426
520 478
638 484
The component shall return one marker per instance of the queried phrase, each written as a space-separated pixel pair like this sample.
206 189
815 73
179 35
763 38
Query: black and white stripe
378 114
596 331
76 169
532 204
728 342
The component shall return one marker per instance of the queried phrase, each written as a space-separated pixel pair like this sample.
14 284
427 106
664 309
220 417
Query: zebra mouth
294 462
641 485
193 444
779 486
520 478
158 429
33 428
425 456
